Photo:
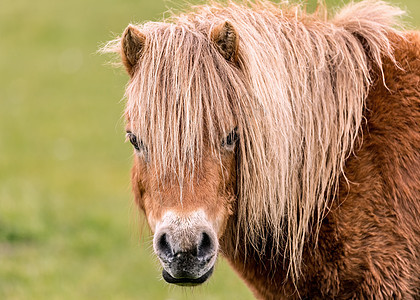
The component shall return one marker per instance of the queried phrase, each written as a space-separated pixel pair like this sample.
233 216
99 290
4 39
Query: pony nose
170 247
187 247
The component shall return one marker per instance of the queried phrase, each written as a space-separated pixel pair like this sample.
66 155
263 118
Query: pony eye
138 145
230 140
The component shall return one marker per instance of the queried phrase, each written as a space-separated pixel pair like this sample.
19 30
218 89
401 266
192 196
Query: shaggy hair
296 96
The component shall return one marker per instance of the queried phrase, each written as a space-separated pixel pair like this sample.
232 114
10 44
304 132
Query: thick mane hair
296 95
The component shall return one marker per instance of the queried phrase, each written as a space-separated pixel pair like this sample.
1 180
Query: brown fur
132 46
155 197
227 41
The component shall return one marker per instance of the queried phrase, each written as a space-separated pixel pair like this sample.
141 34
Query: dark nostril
163 246
205 246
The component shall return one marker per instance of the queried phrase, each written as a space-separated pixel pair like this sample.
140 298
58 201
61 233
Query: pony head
184 136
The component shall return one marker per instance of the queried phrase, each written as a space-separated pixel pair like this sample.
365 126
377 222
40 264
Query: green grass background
68 229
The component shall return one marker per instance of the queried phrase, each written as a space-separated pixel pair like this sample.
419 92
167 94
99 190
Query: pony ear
226 40
132 45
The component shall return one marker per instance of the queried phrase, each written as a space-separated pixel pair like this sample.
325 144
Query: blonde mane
296 97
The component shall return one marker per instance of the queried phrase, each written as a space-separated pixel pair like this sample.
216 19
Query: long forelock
297 97
181 99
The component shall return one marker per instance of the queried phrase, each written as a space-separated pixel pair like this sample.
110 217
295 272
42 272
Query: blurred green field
68 229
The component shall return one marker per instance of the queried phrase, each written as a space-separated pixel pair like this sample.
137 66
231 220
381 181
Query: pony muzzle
186 249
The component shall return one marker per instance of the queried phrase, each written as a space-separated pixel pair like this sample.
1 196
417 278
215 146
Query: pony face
186 232
181 123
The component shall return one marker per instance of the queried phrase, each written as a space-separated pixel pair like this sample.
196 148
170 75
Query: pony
286 141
